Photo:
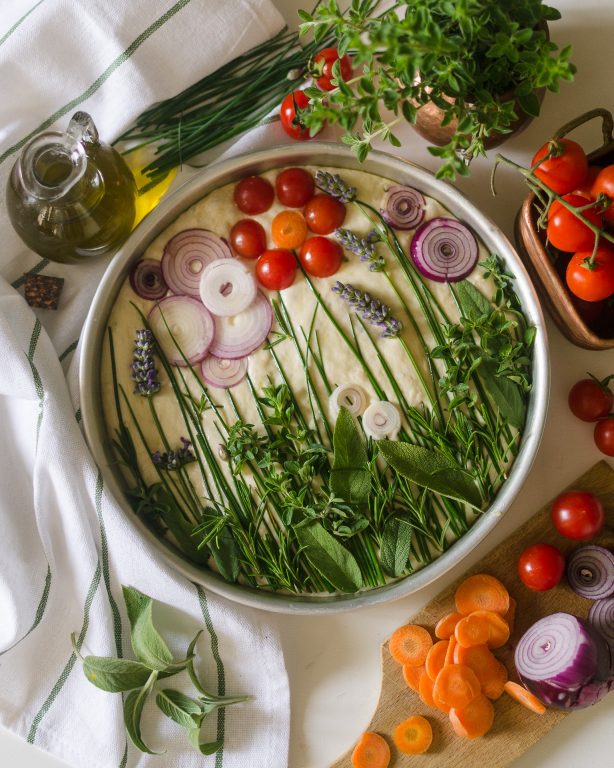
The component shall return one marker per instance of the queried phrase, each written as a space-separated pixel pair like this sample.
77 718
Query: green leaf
396 544
472 301
226 554
505 394
114 675
430 469
350 478
530 104
352 485
133 709
147 644
329 557
179 707
208 748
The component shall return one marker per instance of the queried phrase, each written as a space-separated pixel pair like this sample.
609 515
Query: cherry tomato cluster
321 215
592 400
576 515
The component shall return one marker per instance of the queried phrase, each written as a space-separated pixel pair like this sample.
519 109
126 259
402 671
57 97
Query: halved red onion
147 280
183 328
223 372
227 287
444 250
187 254
601 618
239 335
590 572
403 207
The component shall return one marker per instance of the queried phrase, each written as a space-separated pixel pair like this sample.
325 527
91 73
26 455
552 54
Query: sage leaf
350 478
431 469
179 707
472 301
396 544
133 709
329 557
148 645
226 554
352 485
504 393
208 748
114 675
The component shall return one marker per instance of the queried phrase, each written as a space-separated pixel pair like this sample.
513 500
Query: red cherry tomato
294 187
290 121
586 188
604 436
605 183
320 256
590 400
565 171
288 229
248 238
566 231
254 195
591 282
577 515
323 68
541 567
276 269
324 214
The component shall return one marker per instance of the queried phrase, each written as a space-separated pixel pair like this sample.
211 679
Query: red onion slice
227 287
403 207
444 250
590 572
223 372
190 324
147 280
601 618
239 335
187 254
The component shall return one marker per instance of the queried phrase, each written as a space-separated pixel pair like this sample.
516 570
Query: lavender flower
174 459
363 247
335 186
144 373
370 309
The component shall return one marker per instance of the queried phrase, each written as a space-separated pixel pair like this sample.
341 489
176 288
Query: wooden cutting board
515 729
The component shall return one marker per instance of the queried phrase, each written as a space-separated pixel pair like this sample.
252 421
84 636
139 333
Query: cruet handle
82 129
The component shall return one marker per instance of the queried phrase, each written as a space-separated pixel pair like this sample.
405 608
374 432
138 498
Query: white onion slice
350 396
187 254
227 287
239 335
381 419
188 322
223 372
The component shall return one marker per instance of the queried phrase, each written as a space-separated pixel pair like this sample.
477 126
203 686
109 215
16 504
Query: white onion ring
444 250
350 396
227 287
223 372
189 322
403 207
381 419
239 335
187 254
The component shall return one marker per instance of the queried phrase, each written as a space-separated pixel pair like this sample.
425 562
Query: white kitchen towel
66 547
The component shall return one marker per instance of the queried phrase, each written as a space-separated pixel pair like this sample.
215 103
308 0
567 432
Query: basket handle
607 124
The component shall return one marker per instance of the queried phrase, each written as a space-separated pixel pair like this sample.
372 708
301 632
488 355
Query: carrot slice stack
411 675
445 626
473 720
436 658
456 685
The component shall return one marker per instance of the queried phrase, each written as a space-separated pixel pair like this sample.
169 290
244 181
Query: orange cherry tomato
289 229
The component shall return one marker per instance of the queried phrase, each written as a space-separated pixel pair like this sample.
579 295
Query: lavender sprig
363 247
372 310
174 459
144 372
335 186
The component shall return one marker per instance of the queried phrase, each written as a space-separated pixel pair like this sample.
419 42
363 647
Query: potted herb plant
466 73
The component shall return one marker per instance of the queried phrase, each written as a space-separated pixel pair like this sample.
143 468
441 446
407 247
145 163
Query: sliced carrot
498 628
436 658
495 685
479 658
445 626
456 685
371 751
473 720
450 652
510 616
482 592
410 645
440 704
524 697
411 675
425 690
472 630
413 736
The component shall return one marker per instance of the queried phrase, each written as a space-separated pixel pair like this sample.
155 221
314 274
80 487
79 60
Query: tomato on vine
591 399
323 64
604 184
289 115
591 276
563 165
566 230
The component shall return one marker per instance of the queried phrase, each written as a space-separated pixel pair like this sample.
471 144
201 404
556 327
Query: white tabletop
333 662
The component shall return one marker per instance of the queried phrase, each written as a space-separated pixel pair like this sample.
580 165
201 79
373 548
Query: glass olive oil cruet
70 196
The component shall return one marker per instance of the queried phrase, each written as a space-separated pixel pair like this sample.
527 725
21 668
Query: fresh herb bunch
470 58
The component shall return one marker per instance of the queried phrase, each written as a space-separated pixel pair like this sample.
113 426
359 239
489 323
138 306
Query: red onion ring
590 572
223 372
601 618
403 207
190 324
147 280
444 250
240 335
187 254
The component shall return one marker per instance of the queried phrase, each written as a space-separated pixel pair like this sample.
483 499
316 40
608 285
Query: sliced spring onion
381 419
350 396
181 324
239 335
444 250
227 287
403 207
223 372
187 254
590 572
147 280
601 618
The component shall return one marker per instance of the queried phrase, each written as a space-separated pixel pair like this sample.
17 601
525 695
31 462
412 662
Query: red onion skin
420 242
601 618
213 381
